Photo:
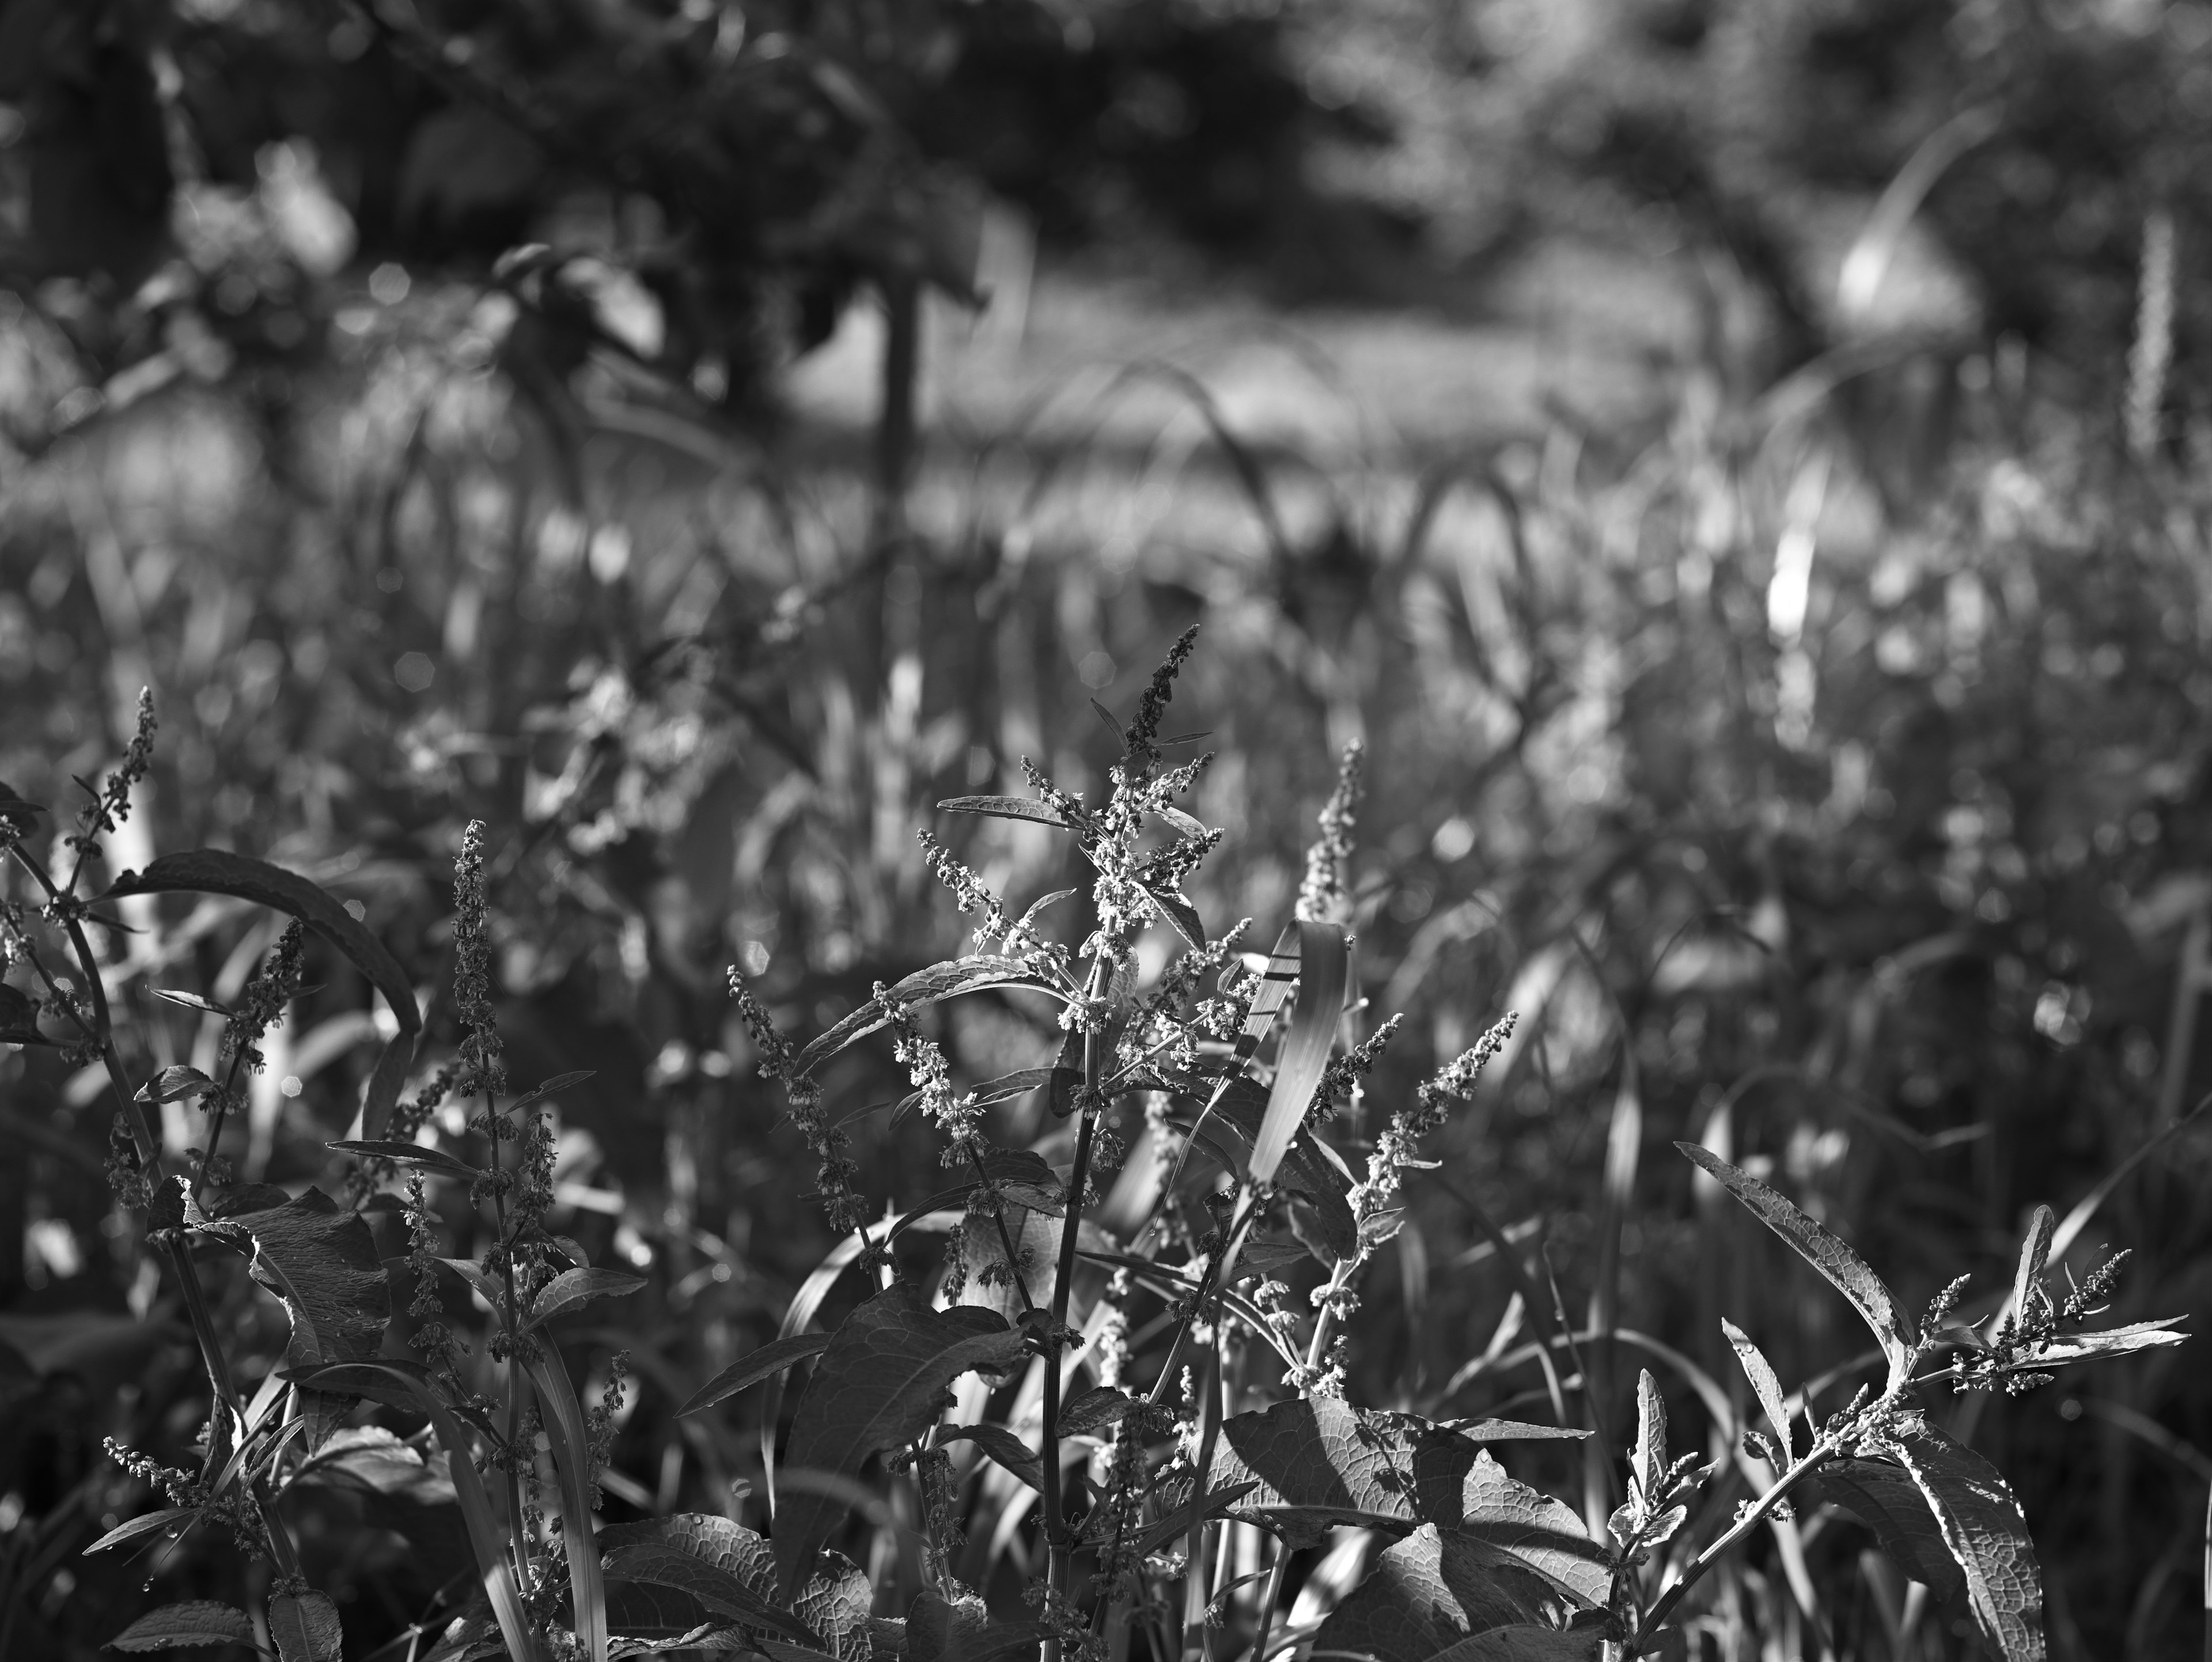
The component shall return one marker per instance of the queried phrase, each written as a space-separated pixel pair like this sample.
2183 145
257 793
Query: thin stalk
1269 1597
1649 1628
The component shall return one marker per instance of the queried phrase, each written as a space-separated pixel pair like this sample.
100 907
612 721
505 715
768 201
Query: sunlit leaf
1009 807
750 1369
1886 1500
1324 969
305 1626
940 981
1985 1533
408 1153
168 1518
572 1290
961 1630
1433 1591
1764 1382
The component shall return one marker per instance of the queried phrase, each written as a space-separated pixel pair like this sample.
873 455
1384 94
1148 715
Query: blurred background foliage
1812 751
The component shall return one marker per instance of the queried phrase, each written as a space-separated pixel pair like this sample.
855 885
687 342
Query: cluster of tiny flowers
953 1112
482 1055
1114 1523
2009 1363
600 1422
940 1514
233 1509
1432 1102
261 1005
847 1210
1343 1074
1141 740
440 1346
1324 896
970 894
113 806
126 1176
366 1175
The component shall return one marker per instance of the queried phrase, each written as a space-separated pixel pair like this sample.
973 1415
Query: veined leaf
1845 1270
305 1626
881 1383
835 1602
939 982
961 1630
1649 1459
572 1290
1434 1591
1030 808
217 870
373 1459
1886 1500
2034 1253
492 1291
1765 1382
201 1622
2103 1341
408 1154
692 1569
1178 912
1324 969
1985 1533
1002 1446
750 1369
1095 1411
173 1084
717 1590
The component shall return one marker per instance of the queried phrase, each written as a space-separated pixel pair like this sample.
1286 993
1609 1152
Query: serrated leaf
572 1290
835 1602
175 1083
961 1630
167 1518
939 982
217 870
1845 1270
1985 1531
882 1382
1324 969
200 1622
1766 1384
1002 1446
756 1366
408 1154
1885 1498
1030 808
717 1590
1432 1591
1095 1411
305 1626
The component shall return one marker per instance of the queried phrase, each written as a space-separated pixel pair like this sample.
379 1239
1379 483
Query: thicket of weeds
1844 823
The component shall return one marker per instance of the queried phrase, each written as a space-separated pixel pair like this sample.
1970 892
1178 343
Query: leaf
173 1083
1002 1446
1233 1125
1324 967
1845 1270
305 1626
1534 1530
217 870
1433 1591
1886 1500
572 1290
882 1382
193 1002
1527 1644
2103 1341
1649 1460
571 1448
961 1630
201 1622
13 807
409 1384
1985 1533
408 1154
2034 1253
835 1602
1096 1410
1764 1382
939 982
167 1518
1176 1522
1177 910
19 1018
724 1568
758 1365
1010 808
373 1458
552 1086
491 1290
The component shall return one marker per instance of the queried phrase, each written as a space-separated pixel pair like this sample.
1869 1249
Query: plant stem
519 1534
1818 1454
1268 1600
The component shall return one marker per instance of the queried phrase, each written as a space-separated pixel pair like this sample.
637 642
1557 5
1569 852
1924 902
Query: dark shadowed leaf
1886 1500
751 1369
882 1382
572 1290
408 1153
1986 1534
717 1591
1434 1589
1527 1644
1002 1446
373 1458
1178 912
168 1518
1095 1411
217 870
961 1630
19 1018
202 1621
552 1086
305 1626
703 1567
1764 1382
1324 969
1848 1272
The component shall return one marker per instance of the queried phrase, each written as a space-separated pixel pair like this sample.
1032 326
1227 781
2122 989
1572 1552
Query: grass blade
1324 968
572 1460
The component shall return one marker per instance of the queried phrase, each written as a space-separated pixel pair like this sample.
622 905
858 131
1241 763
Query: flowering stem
518 1532
1647 1629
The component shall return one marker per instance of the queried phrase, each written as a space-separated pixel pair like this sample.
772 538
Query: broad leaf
1002 1446
168 1518
1886 1500
1534 1530
202 1621
713 1568
961 1630
756 1366
305 1626
1848 1272
1095 1411
373 1458
408 1154
882 1382
1986 1534
939 982
835 1602
1765 1382
572 1290
217 870
174 1084
1324 968
1433 1591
